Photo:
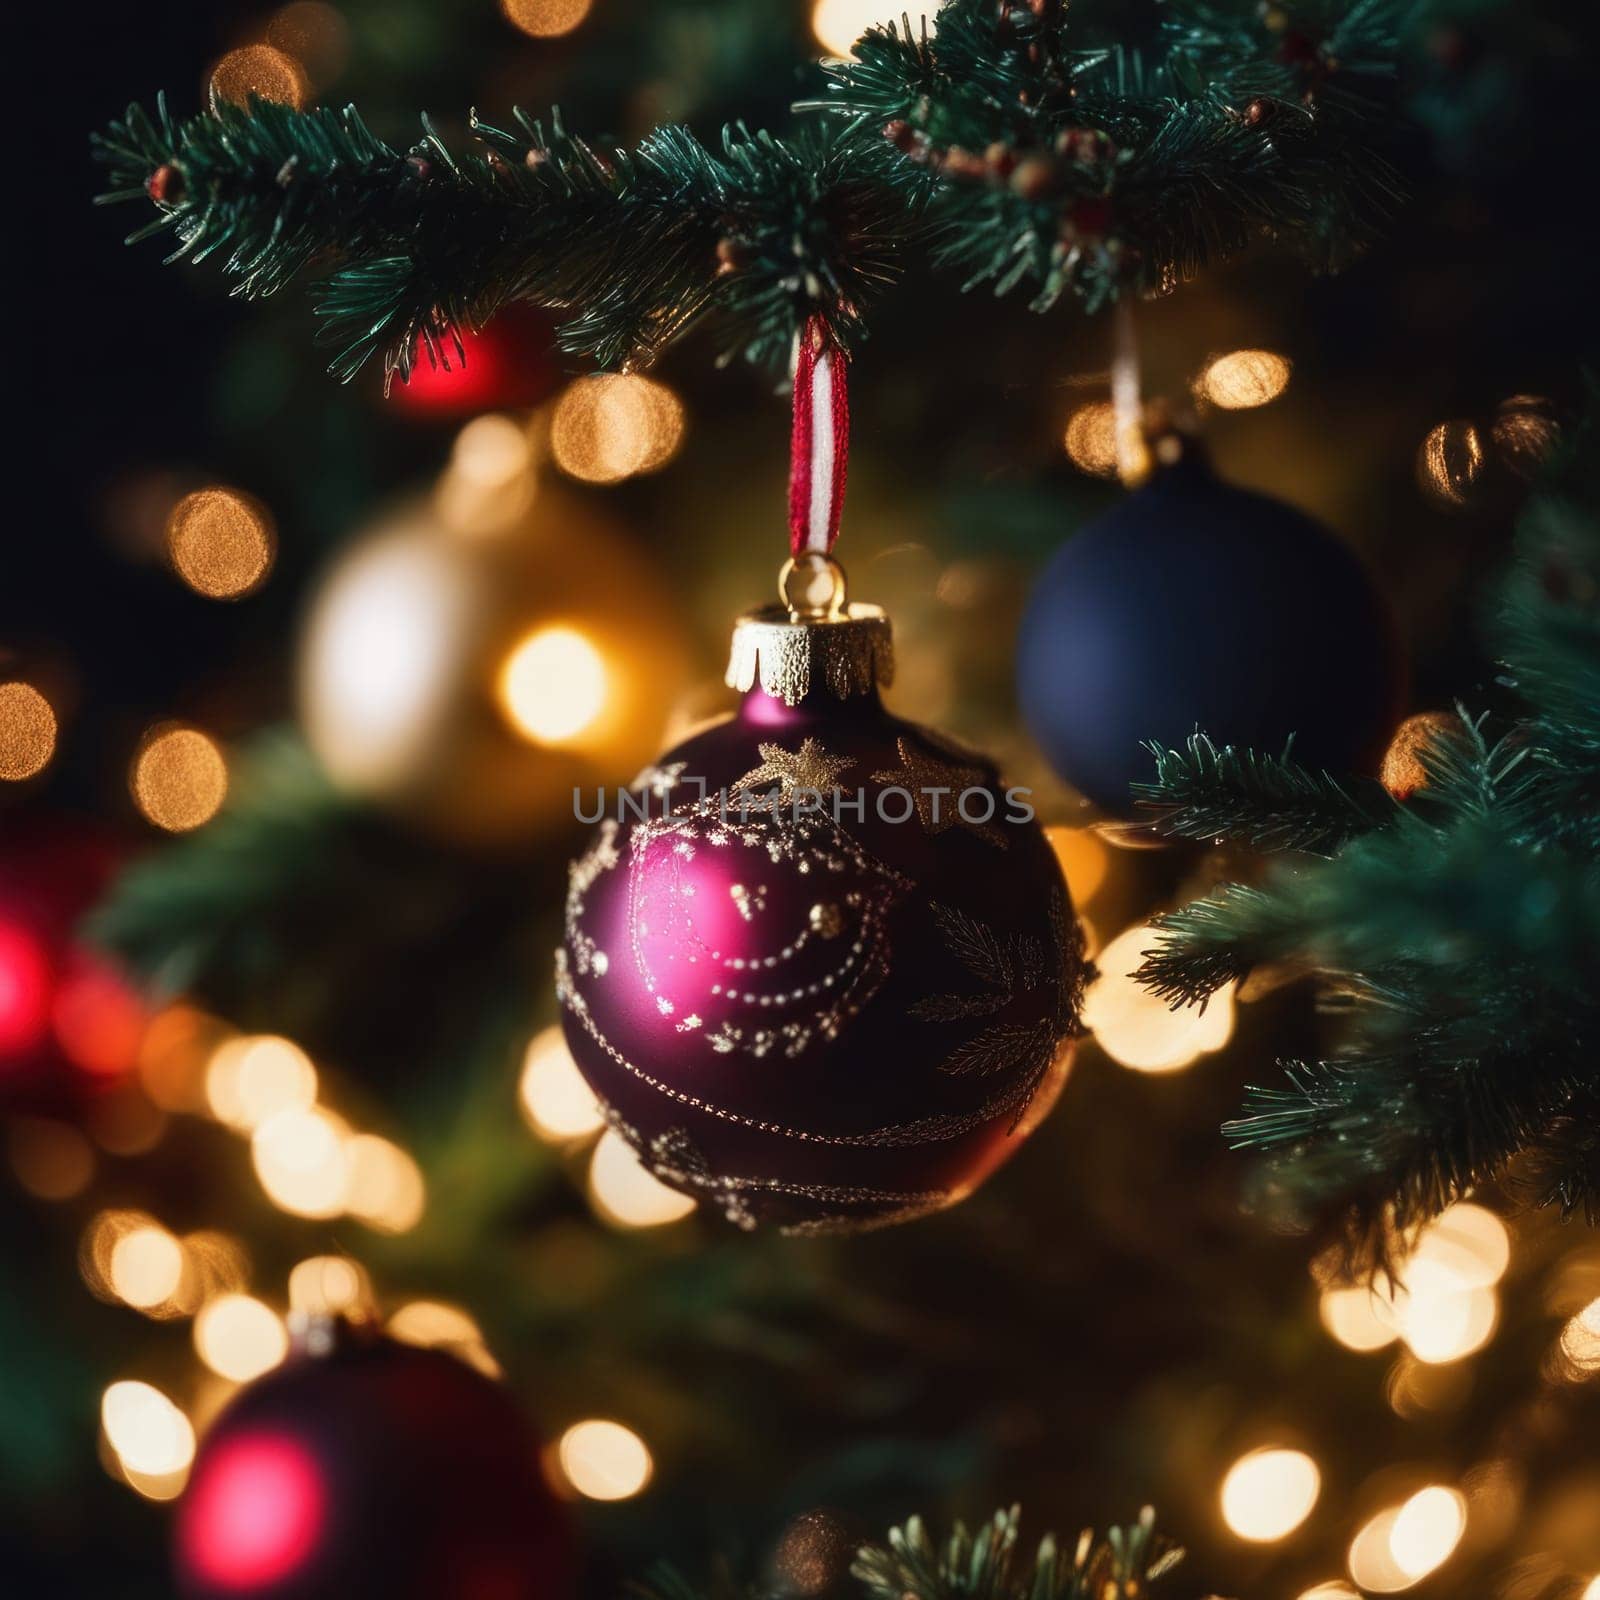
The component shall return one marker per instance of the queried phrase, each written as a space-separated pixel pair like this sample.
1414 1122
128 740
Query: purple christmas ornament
820 966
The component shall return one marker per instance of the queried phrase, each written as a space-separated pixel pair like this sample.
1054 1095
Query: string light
1141 1031
1084 861
239 1337
384 1186
146 1267
1450 461
433 1325
837 24
1268 1493
491 451
545 19
612 425
1091 439
260 70
98 1020
1353 1316
1242 379
27 731
328 1285
253 1078
1580 1342
150 1435
603 1460
1427 1529
220 542
299 1157
179 779
557 1101
1403 1544
315 34
553 686
52 1160
626 1194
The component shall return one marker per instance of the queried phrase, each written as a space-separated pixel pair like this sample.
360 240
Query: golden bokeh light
1243 378
1592 1592
252 1078
603 1460
1465 1247
837 24
384 1187
315 34
1084 859
626 1194
145 1267
556 1100
1091 439
1334 1589
239 1337
1426 1530
1137 1029
174 1055
299 1158
1580 1342
260 70
1268 1493
553 686
492 451
51 1160
1355 1317
1450 462
179 779
220 542
1525 432
323 1286
434 1325
150 1435
612 425
27 731
545 19
1401 1545
1370 1561
216 1262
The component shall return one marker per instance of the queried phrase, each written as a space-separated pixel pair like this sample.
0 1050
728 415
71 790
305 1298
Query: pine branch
1229 795
632 247
964 1566
1459 942
1017 154
1107 170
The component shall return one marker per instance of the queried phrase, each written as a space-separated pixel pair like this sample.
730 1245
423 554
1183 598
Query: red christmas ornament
371 1468
821 966
824 971
68 1021
507 365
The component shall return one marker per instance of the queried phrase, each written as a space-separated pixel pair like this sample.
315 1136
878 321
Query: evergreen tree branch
1229 795
1017 153
631 247
1459 942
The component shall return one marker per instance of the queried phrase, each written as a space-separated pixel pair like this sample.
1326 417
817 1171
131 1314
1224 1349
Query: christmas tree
305 712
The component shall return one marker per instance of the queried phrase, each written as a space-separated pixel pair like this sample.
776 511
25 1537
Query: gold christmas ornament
472 681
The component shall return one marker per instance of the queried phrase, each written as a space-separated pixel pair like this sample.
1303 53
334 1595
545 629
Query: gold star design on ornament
808 770
936 788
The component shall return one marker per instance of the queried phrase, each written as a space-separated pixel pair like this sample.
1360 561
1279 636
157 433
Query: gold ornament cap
813 639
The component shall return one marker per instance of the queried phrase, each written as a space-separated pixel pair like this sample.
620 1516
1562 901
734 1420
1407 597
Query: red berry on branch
165 185
1090 218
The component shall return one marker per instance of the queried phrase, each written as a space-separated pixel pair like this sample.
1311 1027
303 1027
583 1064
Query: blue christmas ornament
1196 605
